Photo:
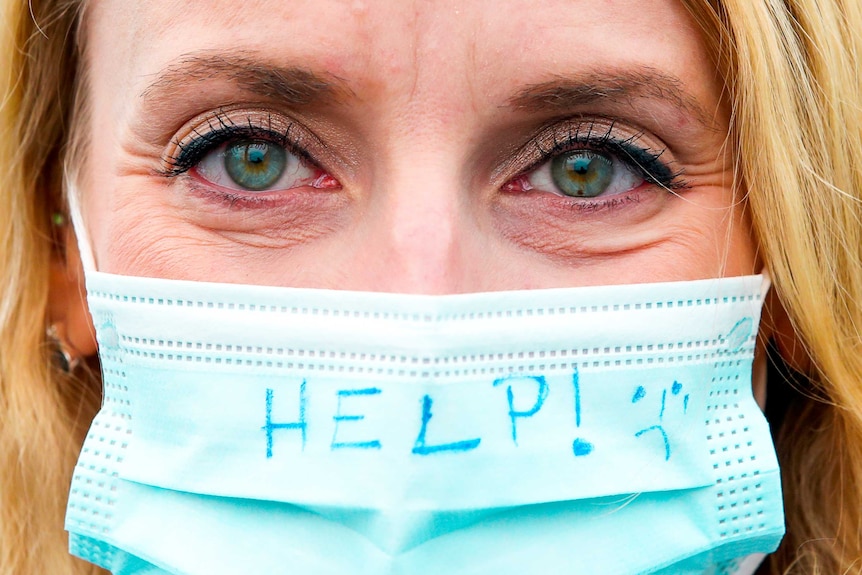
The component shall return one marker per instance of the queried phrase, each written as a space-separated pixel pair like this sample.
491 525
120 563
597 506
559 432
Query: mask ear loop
80 229
66 358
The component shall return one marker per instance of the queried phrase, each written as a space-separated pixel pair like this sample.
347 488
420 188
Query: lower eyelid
569 228
220 198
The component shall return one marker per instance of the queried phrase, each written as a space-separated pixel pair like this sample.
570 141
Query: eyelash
222 128
642 160
553 141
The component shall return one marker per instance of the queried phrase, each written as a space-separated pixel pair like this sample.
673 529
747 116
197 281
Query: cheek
152 246
716 242
712 231
686 241
659 237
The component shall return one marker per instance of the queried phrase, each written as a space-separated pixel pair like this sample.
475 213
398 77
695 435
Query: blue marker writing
664 437
541 395
339 417
269 427
677 387
580 446
421 448
675 390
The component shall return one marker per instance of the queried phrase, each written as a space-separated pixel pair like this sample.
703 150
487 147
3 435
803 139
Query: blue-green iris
255 165
582 173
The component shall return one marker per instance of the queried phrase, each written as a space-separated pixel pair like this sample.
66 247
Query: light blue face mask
599 430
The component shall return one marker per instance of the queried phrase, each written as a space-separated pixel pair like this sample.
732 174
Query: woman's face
410 146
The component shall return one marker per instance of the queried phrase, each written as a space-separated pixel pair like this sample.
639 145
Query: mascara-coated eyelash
244 154
207 133
592 159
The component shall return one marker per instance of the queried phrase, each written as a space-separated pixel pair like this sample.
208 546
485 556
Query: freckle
682 123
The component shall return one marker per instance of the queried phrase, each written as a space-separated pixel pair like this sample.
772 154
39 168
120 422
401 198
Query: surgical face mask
267 430
600 430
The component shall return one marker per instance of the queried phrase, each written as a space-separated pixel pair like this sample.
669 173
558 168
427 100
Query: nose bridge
421 222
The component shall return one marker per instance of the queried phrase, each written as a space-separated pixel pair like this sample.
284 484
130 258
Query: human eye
595 161
245 152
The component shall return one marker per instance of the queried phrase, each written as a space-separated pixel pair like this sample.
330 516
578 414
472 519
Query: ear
67 302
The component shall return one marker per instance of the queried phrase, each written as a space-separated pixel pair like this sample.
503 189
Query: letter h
270 426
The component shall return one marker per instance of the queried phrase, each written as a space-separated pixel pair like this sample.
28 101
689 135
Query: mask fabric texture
598 430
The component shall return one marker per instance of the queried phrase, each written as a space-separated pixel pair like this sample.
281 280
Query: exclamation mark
580 446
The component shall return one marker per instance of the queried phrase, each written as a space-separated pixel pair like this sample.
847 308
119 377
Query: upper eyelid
208 131
531 152
641 153
558 136
222 124
565 133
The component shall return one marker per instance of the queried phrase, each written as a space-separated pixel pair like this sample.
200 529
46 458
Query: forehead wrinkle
567 92
290 85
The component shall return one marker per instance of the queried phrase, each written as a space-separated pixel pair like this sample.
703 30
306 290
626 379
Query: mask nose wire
84 246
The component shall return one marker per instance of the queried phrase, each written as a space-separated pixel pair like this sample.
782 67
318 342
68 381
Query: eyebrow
565 93
290 85
297 86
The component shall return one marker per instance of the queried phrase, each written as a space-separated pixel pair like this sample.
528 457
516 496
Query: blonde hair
792 74
43 414
790 70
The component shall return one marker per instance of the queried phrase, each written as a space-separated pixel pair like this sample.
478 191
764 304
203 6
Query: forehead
410 49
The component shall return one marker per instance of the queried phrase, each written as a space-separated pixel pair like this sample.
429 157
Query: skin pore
418 135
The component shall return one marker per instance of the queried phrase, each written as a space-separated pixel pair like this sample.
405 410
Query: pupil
582 165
